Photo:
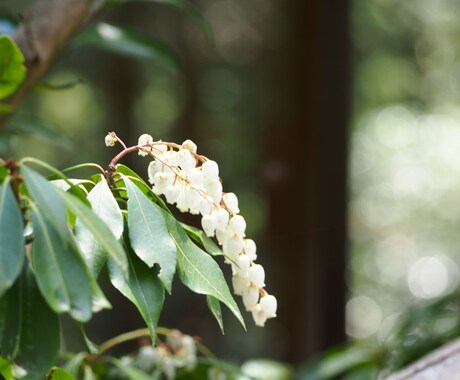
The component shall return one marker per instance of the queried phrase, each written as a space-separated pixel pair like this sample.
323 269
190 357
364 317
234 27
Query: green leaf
6 369
21 126
214 307
12 69
12 244
29 329
198 271
93 348
129 43
59 374
74 364
61 273
149 235
106 208
201 238
140 183
48 200
99 229
142 288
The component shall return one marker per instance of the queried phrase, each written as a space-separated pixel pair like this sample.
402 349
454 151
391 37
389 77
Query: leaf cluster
58 233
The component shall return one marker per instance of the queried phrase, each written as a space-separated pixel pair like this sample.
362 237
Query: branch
444 363
43 34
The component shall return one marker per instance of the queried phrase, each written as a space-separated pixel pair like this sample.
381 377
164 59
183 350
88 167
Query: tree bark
42 35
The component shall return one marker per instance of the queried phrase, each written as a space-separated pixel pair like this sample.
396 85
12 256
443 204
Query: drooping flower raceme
192 183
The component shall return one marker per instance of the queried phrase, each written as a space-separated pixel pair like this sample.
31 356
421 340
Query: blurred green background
310 110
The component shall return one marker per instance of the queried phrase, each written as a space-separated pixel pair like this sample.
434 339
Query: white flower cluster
192 183
178 352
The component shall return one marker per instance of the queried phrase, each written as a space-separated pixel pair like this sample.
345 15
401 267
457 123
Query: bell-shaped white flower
186 160
239 284
237 225
110 140
259 316
269 304
232 246
145 139
222 236
257 275
231 202
206 205
189 145
250 249
210 171
171 193
162 179
208 222
214 189
222 218
154 168
196 177
250 298
241 266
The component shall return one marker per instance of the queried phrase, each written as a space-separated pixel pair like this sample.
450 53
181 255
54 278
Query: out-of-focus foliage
405 161
12 70
417 332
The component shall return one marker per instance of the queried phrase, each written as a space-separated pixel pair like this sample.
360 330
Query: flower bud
250 298
110 140
231 201
259 316
145 139
269 305
189 145
257 275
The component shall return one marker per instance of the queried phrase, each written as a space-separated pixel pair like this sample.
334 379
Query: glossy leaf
12 69
106 208
12 244
59 374
29 329
149 235
140 183
61 273
198 271
92 347
142 288
214 307
202 239
99 229
129 43
48 200
74 364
